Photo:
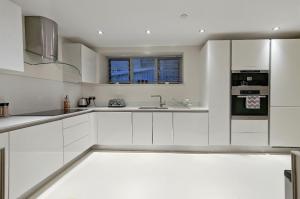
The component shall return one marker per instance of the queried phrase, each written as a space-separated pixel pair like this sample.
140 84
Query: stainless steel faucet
161 103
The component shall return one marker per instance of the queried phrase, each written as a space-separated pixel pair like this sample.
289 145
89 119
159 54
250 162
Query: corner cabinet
11 36
83 58
251 54
35 153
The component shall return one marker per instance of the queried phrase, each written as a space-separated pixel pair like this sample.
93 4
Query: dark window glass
119 71
169 70
144 70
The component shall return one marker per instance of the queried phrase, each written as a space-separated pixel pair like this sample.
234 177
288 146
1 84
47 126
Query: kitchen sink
152 107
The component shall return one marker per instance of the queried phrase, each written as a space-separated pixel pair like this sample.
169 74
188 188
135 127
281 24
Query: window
146 70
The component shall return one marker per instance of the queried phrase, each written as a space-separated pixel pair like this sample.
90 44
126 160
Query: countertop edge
91 110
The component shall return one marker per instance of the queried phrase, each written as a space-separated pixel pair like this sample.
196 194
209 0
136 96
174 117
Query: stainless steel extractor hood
41 35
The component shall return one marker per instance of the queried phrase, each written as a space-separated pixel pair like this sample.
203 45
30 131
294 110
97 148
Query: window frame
157 68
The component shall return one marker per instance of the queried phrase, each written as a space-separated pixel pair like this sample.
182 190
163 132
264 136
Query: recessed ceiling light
148 32
184 15
100 32
276 28
202 30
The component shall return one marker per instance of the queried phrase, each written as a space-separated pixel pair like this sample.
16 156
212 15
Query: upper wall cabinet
285 72
11 36
251 54
83 58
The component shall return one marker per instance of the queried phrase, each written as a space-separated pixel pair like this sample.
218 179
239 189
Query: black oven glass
238 107
250 79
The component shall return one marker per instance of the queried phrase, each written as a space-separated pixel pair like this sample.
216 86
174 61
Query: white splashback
27 94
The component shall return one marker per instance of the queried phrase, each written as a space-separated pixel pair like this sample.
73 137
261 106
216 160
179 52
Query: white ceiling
124 21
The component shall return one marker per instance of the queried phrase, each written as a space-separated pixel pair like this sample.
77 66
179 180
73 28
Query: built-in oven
250 95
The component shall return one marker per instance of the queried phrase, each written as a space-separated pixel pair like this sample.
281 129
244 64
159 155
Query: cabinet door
162 128
4 154
250 132
11 36
114 128
190 129
218 66
285 72
88 65
142 128
35 153
285 126
251 54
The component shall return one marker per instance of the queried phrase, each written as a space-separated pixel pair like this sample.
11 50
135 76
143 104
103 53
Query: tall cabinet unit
250 54
11 36
285 93
218 66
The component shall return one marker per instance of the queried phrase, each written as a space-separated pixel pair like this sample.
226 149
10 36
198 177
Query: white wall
27 94
194 77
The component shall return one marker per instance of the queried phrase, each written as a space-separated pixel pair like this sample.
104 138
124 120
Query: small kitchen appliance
116 103
85 102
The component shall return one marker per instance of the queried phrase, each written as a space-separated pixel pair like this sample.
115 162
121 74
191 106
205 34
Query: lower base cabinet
163 133
35 153
285 126
142 128
114 128
79 135
73 150
190 129
249 132
4 154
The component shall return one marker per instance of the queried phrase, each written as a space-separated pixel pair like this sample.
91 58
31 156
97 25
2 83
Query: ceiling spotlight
184 15
202 30
148 32
276 28
100 32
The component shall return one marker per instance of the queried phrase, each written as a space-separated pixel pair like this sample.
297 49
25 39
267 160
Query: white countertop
17 122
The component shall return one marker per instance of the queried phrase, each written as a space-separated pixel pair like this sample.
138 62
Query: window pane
170 70
119 71
144 70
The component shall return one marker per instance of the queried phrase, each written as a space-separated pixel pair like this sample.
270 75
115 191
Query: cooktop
51 112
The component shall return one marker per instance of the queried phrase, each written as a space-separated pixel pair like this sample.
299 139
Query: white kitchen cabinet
77 147
4 150
190 129
11 36
251 54
83 58
218 66
142 128
285 126
249 132
35 153
285 72
93 128
163 128
114 128
78 135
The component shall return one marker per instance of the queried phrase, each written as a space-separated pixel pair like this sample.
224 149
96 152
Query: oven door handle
244 96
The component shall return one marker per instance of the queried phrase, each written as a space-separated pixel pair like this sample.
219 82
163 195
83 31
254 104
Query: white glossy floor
111 175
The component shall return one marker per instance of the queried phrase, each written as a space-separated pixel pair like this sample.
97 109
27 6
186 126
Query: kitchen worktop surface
17 122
